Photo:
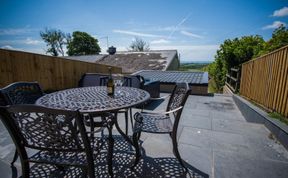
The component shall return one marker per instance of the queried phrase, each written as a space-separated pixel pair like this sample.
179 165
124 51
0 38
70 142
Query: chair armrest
174 110
151 82
161 98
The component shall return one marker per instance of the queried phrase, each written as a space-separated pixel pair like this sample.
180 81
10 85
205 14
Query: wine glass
118 83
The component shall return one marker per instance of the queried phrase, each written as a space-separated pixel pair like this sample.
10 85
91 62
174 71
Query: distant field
196 67
193 66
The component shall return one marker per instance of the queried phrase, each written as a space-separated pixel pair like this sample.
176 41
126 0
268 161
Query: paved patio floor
215 140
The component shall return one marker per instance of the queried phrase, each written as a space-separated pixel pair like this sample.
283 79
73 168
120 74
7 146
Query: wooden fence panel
53 73
281 82
284 105
265 80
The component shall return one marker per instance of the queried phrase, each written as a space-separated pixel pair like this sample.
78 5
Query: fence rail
265 80
53 73
233 79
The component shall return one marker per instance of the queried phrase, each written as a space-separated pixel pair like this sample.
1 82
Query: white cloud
187 52
30 41
191 52
34 50
281 12
160 41
27 41
190 34
7 47
189 47
168 28
15 31
178 25
135 33
275 24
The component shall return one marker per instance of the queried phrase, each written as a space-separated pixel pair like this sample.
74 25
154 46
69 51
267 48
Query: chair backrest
21 93
93 79
45 129
177 99
55 131
135 81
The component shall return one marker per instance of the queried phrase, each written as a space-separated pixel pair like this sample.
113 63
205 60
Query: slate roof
172 77
133 61
86 58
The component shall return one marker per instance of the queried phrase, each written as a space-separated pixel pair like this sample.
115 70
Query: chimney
111 50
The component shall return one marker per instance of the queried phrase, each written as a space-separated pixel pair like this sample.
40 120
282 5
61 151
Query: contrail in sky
178 25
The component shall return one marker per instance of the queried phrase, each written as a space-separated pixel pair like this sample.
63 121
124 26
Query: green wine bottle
110 83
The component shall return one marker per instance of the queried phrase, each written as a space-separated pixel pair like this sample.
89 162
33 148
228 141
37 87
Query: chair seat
68 158
48 170
61 158
153 123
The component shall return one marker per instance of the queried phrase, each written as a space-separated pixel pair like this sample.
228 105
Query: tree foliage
139 45
55 40
233 53
82 43
278 40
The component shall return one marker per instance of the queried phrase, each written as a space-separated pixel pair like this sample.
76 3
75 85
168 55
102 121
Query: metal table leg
121 132
110 146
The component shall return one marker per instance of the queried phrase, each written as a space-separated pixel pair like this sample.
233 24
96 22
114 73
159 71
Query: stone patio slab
234 164
198 122
214 138
237 126
200 158
196 137
228 115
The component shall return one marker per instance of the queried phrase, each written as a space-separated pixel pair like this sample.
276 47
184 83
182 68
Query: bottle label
109 90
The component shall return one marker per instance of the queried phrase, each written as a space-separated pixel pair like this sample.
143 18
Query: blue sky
195 28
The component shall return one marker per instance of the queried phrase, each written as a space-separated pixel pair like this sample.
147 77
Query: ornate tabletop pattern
94 99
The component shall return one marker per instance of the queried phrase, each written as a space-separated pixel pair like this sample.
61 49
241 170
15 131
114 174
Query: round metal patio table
95 100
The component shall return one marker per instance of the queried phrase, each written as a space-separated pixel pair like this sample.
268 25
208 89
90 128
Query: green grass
198 67
192 67
279 117
212 86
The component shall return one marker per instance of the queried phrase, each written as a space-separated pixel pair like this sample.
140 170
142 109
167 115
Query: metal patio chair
93 79
58 138
138 81
96 79
20 93
161 123
89 80
152 87
135 81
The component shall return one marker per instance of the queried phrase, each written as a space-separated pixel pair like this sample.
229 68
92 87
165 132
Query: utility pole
107 42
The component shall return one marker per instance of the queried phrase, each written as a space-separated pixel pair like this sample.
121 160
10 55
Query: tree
82 43
55 40
239 50
139 45
278 40
233 53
